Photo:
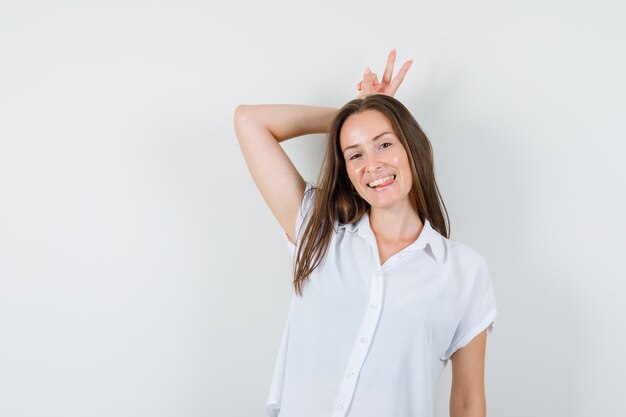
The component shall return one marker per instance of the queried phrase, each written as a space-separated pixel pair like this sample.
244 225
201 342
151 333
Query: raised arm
260 129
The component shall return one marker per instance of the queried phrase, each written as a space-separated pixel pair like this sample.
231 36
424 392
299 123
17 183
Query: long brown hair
335 199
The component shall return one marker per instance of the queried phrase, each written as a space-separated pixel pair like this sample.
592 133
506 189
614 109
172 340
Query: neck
396 224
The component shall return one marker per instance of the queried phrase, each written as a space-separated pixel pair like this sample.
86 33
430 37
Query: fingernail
367 70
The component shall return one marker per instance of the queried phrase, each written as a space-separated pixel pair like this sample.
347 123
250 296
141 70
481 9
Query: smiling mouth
382 182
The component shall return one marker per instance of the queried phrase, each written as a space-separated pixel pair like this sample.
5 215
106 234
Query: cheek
409 180
353 173
408 174
402 161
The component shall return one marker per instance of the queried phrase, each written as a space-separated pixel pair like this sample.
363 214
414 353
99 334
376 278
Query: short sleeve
304 214
480 311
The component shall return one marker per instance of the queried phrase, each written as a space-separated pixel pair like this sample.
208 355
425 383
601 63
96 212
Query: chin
384 205
386 202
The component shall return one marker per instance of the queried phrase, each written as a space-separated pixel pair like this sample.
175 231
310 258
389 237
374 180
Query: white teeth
380 181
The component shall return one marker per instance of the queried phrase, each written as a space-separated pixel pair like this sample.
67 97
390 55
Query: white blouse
371 340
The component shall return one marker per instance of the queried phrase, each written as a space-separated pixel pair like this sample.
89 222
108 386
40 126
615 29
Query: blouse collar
428 236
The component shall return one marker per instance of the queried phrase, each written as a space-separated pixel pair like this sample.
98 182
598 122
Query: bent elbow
241 112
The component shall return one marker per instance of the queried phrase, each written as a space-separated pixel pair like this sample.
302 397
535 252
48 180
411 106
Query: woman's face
376 160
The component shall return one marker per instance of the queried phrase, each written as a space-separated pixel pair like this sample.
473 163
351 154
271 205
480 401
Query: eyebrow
375 138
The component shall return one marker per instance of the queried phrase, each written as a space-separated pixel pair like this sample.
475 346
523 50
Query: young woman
382 298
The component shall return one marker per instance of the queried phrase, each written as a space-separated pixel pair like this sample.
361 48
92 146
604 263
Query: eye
356 155
382 145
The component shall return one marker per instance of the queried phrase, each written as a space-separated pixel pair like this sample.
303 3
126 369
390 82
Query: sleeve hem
272 409
487 323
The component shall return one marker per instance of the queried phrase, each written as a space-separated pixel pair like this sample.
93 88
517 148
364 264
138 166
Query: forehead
363 126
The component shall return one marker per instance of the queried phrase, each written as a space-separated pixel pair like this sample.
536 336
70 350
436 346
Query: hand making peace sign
370 85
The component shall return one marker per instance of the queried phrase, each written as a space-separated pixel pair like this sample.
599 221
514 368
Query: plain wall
141 273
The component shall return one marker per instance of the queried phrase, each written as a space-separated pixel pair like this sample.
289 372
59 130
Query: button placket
362 345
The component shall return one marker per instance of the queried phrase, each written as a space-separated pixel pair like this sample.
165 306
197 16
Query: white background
141 273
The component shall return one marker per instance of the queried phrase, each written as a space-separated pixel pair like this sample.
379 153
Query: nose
372 164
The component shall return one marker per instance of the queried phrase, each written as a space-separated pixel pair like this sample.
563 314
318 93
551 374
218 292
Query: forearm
285 121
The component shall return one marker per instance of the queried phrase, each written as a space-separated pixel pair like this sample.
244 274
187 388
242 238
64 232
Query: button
364 340
377 273
373 306
340 407
350 374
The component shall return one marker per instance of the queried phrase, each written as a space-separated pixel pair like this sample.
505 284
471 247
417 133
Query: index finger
391 59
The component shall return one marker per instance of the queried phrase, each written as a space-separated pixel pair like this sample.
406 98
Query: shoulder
464 257
468 273
306 208
308 200
310 191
